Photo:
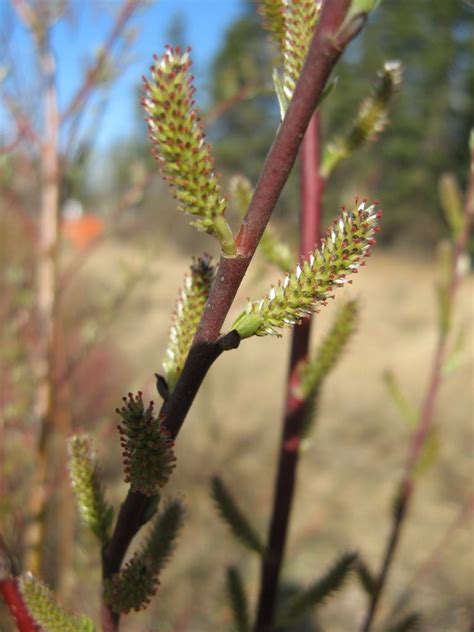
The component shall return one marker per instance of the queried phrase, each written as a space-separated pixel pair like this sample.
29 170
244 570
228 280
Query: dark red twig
329 41
11 594
12 597
312 186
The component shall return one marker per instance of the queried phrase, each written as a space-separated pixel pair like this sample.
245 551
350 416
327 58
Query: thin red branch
425 419
93 73
245 92
312 187
325 49
10 592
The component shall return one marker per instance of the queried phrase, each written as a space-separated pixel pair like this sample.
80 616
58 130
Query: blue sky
78 37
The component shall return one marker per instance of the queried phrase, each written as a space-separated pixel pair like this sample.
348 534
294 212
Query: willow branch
328 42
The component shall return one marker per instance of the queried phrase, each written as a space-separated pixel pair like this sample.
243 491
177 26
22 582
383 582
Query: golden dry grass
348 474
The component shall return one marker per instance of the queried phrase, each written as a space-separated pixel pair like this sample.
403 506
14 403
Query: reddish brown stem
325 49
12 597
329 41
11 594
312 187
425 420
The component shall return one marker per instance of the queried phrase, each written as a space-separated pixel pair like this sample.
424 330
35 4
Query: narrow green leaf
406 409
283 100
233 516
46 612
362 6
318 592
238 600
454 355
451 201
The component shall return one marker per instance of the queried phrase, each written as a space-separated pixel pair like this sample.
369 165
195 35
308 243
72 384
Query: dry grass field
349 470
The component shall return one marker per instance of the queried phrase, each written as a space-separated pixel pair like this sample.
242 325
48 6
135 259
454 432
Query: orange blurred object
81 231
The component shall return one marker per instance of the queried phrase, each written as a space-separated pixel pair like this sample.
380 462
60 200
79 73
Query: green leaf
320 590
233 516
238 600
283 100
362 6
406 409
86 481
452 203
46 612
453 358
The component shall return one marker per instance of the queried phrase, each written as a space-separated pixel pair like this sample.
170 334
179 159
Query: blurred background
93 253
